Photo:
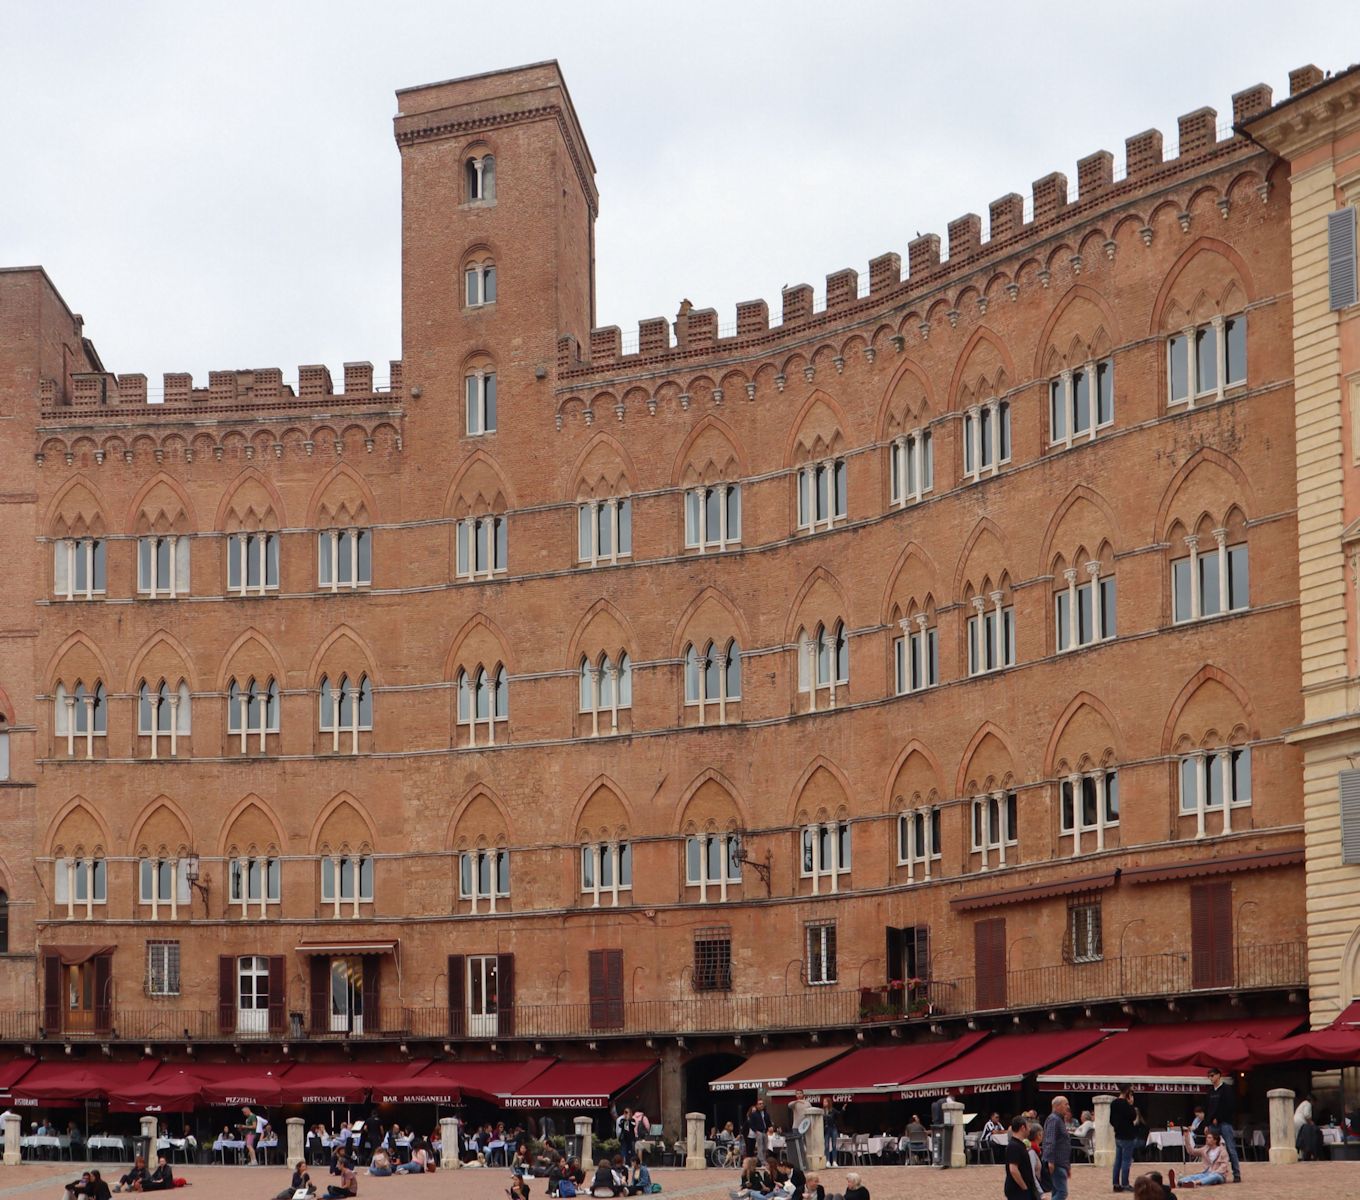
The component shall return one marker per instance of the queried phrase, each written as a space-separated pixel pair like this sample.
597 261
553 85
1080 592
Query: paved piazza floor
1313 1181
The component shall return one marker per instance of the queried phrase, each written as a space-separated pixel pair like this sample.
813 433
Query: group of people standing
1216 1122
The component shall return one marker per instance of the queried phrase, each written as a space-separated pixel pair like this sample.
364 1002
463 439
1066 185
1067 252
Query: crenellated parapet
943 277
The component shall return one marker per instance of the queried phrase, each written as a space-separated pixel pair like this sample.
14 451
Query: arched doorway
717 1107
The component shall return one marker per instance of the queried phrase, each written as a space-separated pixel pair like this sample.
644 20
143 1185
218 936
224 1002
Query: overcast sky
216 185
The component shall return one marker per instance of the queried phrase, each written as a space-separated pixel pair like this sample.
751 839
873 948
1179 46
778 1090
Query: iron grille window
821 952
1084 930
713 959
162 968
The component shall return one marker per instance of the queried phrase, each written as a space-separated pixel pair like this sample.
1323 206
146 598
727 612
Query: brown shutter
1211 942
319 994
599 1000
226 993
278 993
921 937
989 962
103 993
52 994
457 995
372 993
505 995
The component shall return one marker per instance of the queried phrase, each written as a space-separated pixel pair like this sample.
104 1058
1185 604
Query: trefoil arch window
346 708
163 565
163 714
81 713
606 686
712 679
253 710
483 700
79 568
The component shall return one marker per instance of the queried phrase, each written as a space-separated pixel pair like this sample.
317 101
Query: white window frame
254 882
1190 337
254 1016
360 871
1072 821
927 821
986 432
818 938
75 556
729 871
168 579
601 688
481 178
162 968
702 532
82 714
4 752
269 699
825 854
1064 402
479 284
1084 932
820 662
823 492
258 548
1099 594
482 402
75 875
1194 775
599 859
916 655
170 712
471 887
331 702
471 687
163 886
698 686
344 548
612 516
1224 553
911 467
989 815
483 545
991 635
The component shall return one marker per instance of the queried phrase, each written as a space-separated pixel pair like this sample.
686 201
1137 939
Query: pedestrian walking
1220 1110
1019 1177
1056 1152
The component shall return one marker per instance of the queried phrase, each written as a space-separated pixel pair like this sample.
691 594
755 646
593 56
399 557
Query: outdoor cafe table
1167 1139
107 1141
45 1142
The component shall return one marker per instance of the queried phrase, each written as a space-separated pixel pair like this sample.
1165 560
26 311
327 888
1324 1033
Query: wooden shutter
278 993
457 995
52 1005
1349 785
372 993
896 968
921 950
226 993
505 995
1211 938
1341 264
103 992
989 962
319 994
606 989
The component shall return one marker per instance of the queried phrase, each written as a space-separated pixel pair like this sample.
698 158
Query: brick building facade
943 634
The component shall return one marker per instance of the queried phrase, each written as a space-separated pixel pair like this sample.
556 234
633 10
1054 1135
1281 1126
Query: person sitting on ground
419 1162
811 1189
603 1182
301 1180
1215 1158
129 1182
854 1187
348 1185
639 1182
1156 1177
160 1180
518 1189
380 1164
99 1189
81 1186
338 1160
755 1180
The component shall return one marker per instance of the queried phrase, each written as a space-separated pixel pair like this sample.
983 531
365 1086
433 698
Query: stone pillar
814 1141
1281 1126
450 1135
149 1132
1104 1133
296 1142
672 1119
585 1130
695 1159
953 1119
14 1125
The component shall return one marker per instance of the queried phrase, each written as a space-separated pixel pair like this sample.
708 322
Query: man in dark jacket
1124 1122
1056 1153
1220 1110
758 1132
161 1179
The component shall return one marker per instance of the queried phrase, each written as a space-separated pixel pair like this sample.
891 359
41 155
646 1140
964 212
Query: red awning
578 1084
336 1083
1000 1063
1337 1044
13 1071
1349 1017
872 1073
231 1085
1126 1056
77 1079
172 1089
449 1082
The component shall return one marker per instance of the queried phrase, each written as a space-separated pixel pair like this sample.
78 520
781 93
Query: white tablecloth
1331 1135
106 1141
1166 1139
45 1142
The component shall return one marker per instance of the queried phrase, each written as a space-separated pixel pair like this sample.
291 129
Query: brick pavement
1309 1181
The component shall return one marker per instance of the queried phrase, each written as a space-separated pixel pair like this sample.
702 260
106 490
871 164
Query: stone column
814 1141
149 1132
672 1088
1104 1132
1281 1126
953 1119
449 1158
296 1142
13 1131
695 1159
585 1130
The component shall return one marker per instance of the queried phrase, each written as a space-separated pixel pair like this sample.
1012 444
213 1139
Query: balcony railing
1175 973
